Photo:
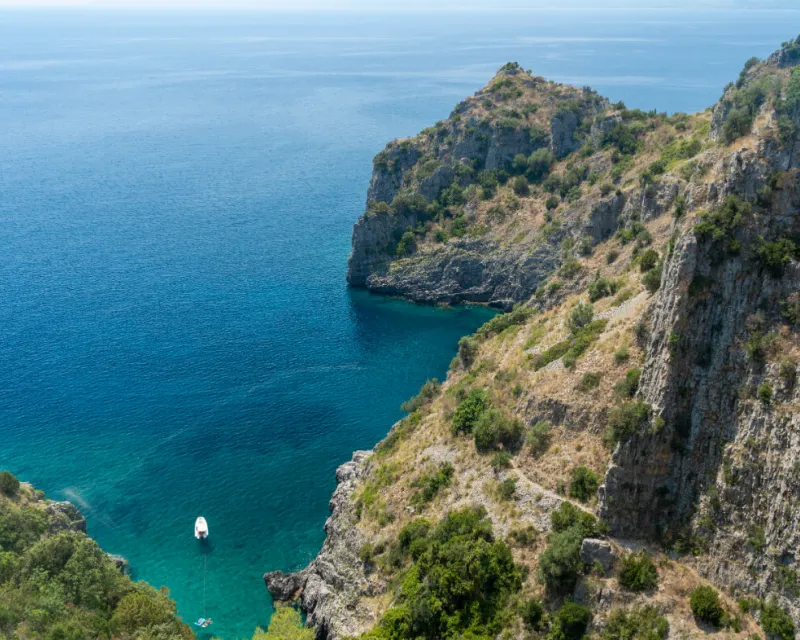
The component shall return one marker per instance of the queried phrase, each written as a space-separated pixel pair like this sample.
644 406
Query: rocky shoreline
330 588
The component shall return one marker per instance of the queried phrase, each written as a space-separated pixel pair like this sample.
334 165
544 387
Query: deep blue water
176 199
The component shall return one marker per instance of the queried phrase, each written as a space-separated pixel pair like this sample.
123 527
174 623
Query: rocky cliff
648 375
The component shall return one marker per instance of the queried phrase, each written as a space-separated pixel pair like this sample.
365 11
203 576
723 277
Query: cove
176 198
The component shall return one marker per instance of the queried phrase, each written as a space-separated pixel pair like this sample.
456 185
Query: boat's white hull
200 528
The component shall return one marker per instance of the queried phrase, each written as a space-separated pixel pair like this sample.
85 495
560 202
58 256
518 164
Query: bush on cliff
706 605
584 483
776 622
637 572
493 428
459 586
469 411
571 621
626 420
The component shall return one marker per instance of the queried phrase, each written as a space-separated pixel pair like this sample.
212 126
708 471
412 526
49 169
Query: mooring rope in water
205 558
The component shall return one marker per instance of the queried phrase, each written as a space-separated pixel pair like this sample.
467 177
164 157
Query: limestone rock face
461 147
329 589
593 550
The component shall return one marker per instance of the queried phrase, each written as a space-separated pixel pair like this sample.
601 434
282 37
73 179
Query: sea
177 194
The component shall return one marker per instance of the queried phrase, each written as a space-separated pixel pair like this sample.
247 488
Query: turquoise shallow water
176 199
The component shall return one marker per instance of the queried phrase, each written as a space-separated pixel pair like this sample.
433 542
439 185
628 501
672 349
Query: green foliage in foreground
62 585
285 624
459 582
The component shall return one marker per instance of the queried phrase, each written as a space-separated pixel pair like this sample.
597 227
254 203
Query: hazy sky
376 5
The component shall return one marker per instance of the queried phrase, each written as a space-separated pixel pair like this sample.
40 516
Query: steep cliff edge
649 377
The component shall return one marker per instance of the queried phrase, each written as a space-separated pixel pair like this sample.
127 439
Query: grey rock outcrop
65 516
330 588
597 551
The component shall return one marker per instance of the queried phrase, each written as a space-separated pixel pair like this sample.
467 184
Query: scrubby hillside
57 584
617 456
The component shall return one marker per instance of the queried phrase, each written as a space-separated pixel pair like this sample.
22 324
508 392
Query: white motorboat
200 528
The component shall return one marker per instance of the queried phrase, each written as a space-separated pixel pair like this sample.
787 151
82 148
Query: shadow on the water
206 546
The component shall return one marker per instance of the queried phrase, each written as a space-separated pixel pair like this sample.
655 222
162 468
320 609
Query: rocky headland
620 450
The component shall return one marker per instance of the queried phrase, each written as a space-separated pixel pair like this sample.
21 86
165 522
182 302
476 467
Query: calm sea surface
176 199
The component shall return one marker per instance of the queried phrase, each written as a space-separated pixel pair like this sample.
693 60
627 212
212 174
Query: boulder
593 550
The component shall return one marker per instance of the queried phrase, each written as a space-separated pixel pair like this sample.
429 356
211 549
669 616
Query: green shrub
493 428
426 394
776 622
525 537
621 355
626 420
503 321
430 484
406 245
775 256
765 393
637 572
648 260
539 164
652 279
602 288
584 483
538 437
552 202
286 624
628 387
460 567
569 269
507 489
719 226
572 348
532 613
469 410
568 516
501 460
520 186
638 623
571 621
706 605
589 381
560 563
790 310
467 351
9 485
612 256
580 316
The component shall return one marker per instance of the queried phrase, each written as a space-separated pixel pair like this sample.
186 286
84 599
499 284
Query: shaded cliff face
655 355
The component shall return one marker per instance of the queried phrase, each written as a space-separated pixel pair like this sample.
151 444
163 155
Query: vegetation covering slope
628 431
57 584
